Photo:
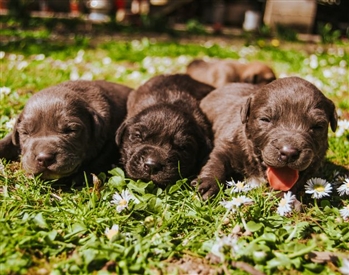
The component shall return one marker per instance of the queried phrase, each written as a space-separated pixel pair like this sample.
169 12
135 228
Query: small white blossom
285 204
344 212
318 188
236 202
122 201
344 188
74 75
225 245
39 57
2 167
239 186
5 91
344 269
111 232
2 54
106 60
10 124
343 126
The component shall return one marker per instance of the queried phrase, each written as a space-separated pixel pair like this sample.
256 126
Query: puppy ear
245 111
333 116
120 132
15 134
8 149
97 125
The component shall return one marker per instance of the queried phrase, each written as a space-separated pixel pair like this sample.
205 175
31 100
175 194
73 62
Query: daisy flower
122 201
111 232
10 124
224 245
343 126
344 188
240 186
344 269
285 204
318 188
344 212
236 202
2 167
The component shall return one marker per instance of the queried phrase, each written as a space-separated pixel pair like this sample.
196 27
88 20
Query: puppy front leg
214 171
8 150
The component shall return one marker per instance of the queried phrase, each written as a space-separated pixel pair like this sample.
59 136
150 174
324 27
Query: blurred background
200 16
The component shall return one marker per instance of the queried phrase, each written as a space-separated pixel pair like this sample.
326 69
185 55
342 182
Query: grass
48 229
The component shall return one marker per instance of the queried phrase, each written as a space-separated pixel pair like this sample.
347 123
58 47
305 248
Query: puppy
68 128
220 72
165 136
276 132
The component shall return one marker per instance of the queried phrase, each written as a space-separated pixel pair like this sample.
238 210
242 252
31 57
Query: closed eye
265 119
70 129
136 136
318 127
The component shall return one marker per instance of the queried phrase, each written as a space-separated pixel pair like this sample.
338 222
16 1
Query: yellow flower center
111 233
319 188
283 202
240 185
123 202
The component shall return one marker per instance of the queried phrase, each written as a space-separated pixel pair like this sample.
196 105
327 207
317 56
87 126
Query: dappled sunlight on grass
132 227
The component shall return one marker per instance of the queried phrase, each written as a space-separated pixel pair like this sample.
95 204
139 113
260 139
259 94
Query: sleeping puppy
68 128
165 136
220 72
277 132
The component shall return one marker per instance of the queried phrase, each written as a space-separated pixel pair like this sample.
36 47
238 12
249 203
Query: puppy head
287 123
162 144
55 133
257 73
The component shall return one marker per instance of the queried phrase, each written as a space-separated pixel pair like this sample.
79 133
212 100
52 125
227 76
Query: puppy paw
207 187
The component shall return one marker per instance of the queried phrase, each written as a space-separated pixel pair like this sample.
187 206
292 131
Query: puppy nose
288 154
151 165
45 159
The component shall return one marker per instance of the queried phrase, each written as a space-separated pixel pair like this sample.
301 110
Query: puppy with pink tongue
277 133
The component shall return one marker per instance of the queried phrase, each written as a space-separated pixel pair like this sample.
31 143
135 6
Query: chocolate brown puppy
165 136
220 72
277 132
68 128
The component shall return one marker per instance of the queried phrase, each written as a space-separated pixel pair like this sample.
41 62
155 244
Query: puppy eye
265 119
70 129
317 127
136 136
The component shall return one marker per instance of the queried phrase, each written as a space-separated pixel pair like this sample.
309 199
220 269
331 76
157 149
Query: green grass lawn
120 226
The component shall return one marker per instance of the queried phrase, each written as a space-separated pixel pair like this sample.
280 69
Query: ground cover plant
120 226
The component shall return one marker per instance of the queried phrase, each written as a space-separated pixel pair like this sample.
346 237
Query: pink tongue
282 178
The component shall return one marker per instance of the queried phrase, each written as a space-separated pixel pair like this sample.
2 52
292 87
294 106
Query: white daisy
4 91
342 127
111 232
225 245
2 167
318 188
228 205
344 212
344 188
236 202
240 186
285 204
344 269
10 124
121 201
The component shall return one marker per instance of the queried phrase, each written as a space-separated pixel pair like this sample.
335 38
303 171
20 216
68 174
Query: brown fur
68 128
252 125
220 72
165 136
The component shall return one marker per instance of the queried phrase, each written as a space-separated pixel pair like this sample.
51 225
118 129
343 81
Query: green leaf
253 226
40 221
